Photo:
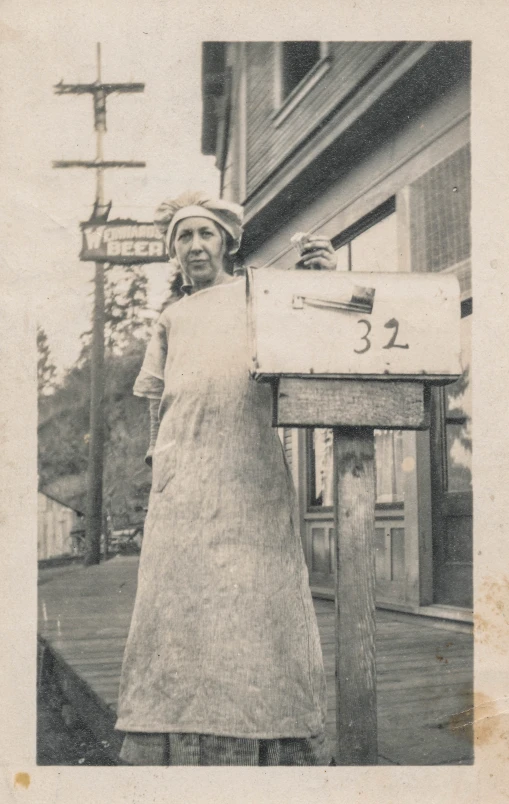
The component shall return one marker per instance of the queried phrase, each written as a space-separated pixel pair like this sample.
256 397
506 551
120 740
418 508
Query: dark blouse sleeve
150 381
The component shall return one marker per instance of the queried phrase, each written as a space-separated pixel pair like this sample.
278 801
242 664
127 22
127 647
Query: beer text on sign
122 241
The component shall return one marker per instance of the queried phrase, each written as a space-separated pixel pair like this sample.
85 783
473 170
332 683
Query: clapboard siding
269 143
54 524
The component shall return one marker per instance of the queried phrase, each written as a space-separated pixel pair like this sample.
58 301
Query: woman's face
201 250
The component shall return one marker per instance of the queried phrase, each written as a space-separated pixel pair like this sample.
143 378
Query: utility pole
99 92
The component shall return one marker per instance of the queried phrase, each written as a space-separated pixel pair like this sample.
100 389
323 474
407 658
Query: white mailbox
330 324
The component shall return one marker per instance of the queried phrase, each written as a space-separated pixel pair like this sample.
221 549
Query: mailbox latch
361 301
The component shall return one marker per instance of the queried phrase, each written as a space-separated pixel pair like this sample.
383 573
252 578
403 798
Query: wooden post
354 515
96 444
99 91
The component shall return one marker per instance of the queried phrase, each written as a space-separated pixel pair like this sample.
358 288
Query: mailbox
331 324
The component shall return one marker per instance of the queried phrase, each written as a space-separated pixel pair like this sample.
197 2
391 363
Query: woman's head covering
199 205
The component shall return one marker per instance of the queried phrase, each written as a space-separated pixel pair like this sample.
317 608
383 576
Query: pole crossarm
108 89
94 163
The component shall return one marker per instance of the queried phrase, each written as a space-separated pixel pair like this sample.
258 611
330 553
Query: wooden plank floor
424 670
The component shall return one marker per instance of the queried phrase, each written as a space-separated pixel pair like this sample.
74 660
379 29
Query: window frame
446 418
310 476
283 106
376 215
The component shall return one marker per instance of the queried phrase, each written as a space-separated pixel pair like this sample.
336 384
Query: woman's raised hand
316 253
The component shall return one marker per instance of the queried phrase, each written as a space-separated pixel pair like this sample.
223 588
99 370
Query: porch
424 666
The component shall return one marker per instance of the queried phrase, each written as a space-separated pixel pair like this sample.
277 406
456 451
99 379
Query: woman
223 663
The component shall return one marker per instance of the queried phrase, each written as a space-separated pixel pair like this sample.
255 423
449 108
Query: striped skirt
207 749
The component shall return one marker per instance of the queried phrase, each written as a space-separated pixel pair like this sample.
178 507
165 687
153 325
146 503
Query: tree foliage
125 306
63 427
126 312
46 369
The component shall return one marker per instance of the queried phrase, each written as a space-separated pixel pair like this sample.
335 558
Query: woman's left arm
150 380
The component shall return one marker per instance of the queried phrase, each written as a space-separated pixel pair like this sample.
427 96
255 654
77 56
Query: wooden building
368 144
58 528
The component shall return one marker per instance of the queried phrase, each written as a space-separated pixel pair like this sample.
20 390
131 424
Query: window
458 420
320 474
389 461
369 245
298 59
298 68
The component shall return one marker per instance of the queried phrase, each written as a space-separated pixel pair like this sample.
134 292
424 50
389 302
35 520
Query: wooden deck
424 667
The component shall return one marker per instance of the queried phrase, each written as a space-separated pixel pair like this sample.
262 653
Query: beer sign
122 242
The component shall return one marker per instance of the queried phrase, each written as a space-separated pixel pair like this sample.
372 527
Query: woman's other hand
317 254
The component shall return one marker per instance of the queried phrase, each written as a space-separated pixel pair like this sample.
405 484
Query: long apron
223 638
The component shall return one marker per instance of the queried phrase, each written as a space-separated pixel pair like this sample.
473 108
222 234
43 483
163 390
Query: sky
161 126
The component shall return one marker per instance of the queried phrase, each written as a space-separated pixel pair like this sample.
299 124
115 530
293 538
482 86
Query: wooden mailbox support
354 519
354 409
355 353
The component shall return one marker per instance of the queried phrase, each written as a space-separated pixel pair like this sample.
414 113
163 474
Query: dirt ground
61 738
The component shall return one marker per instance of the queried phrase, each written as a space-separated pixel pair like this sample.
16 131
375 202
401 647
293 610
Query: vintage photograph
254 535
